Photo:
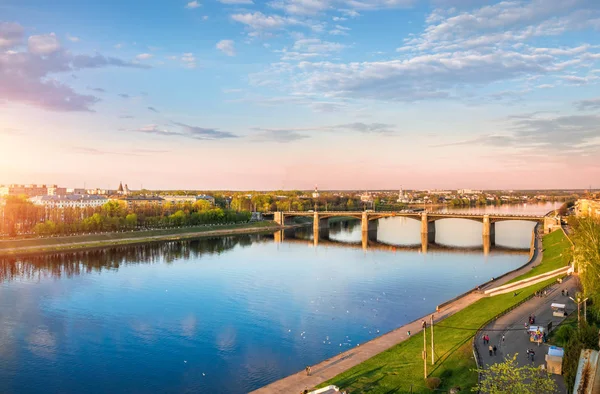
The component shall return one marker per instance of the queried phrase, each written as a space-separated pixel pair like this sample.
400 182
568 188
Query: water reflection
226 314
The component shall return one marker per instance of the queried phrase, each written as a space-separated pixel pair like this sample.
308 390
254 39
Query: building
69 201
316 193
468 191
101 192
27 190
584 207
56 191
180 199
205 197
133 201
76 190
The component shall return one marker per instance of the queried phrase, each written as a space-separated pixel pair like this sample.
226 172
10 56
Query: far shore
75 243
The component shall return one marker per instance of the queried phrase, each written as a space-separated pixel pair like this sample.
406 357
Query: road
512 326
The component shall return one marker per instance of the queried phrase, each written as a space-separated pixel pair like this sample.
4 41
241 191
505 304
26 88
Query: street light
578 302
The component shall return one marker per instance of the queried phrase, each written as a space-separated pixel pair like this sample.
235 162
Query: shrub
433 383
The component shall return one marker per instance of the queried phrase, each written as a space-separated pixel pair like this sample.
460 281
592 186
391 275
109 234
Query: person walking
491 349
307 370
532 354
503 338
424 324
494 349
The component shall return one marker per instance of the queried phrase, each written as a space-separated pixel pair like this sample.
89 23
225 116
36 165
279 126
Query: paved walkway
332 367
512 326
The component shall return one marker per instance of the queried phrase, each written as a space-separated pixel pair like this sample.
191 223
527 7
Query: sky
289 94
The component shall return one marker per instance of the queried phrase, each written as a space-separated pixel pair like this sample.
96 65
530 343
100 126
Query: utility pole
432 352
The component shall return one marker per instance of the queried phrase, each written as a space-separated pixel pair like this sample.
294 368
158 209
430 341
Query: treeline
576 337
20 216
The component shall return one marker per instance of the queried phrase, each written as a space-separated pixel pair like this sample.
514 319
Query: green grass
557 254
95 240
400 369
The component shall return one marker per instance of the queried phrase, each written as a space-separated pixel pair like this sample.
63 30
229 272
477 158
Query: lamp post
579 301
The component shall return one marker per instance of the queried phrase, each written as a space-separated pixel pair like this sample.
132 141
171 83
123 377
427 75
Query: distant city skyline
286 94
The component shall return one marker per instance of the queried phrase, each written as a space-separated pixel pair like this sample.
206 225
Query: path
512 325
332 367
141 238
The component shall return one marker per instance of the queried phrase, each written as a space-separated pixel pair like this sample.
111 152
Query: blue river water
222 315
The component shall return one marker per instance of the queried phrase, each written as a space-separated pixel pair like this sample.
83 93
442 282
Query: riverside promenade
332 367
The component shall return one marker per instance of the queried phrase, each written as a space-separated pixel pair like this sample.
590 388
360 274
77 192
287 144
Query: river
228 314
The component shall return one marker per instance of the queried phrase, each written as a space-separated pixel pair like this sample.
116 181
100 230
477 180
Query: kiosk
554 360
558 310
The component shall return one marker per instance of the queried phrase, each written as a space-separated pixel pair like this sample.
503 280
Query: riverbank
393 362
94 241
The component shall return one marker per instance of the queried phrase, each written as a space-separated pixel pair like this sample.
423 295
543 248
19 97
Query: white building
70 201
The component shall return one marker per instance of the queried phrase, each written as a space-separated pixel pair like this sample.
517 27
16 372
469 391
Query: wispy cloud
153 109
588 104
192 5
227 47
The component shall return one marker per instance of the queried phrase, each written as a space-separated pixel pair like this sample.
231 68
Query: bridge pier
279 236
489 231
427 228
366 224
319 224
367 236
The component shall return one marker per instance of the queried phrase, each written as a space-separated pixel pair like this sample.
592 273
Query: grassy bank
400 369
557 254
39 245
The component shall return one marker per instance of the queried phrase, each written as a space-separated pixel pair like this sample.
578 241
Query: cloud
192 4
367 128
202 133
126 117
281 136
227 47
544 133
576 80
102 152
236 2
153 109
124 95
431 76
348 7
11 35
73 38
43 44
144 56
293 134
99 90
307 48
589 104
188 59
260 21
154 129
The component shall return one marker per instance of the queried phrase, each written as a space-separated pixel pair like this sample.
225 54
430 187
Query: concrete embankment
80 243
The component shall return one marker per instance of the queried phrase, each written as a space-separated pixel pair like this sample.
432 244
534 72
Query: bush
433 383
563 334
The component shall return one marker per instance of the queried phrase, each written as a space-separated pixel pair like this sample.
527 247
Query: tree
507 378
587 256
131 220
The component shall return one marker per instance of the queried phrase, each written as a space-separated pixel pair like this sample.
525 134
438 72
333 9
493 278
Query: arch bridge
427 219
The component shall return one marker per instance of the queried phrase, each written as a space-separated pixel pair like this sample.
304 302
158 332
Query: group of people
486 341
531 319
541 294
530 354
564 292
